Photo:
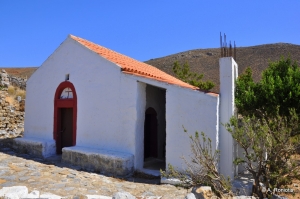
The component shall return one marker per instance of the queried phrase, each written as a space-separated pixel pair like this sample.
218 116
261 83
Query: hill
20 72
206 61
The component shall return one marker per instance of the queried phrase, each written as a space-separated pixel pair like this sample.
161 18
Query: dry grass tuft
14 91
11 90
21 93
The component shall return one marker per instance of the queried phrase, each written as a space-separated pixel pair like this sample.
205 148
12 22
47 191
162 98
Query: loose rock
202 192
190 196
123 195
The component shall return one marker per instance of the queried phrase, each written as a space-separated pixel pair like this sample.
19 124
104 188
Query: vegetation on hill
183 73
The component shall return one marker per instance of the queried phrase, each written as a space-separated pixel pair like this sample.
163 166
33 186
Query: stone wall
11 119
6 80
17 81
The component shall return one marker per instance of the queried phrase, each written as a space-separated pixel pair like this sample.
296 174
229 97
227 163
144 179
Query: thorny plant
201 167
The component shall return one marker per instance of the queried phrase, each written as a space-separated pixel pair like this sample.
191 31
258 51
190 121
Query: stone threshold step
102 161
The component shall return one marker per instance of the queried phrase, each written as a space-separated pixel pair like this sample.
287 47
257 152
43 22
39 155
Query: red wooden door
66 127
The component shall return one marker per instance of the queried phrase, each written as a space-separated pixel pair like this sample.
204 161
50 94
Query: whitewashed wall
106 99
139 127
195 111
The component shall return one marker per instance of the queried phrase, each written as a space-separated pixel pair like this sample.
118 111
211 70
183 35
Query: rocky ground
52 176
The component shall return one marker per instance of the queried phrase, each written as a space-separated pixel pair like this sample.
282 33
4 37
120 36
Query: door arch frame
65 103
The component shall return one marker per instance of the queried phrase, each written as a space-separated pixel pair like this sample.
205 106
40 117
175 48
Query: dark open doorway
150 134
155 129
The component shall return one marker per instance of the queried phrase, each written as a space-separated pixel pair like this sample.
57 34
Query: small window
67 93
67 77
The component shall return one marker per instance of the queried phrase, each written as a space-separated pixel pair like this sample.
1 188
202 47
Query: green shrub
267 148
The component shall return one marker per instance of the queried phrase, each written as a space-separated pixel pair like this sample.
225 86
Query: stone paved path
66 180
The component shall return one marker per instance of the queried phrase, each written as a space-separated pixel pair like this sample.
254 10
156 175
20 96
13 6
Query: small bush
202 169
11 90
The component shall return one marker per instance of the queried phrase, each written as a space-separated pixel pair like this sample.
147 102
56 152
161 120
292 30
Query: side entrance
65 116
155 129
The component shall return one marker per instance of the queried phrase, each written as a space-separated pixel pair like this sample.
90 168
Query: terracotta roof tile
132 66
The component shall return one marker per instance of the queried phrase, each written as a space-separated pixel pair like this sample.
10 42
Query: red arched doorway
150 133
65 116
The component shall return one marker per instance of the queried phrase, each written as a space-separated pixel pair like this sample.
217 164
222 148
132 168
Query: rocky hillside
206 61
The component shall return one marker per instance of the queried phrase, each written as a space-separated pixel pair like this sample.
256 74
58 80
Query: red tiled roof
132 66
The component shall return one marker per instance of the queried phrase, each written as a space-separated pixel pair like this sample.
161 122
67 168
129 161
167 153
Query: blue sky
31 30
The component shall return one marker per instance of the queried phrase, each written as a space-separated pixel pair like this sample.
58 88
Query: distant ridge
20 71
206 61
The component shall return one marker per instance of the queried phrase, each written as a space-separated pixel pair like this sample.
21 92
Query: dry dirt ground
296 189
295 185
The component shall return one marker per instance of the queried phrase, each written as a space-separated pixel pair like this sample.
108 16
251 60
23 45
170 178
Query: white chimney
228 151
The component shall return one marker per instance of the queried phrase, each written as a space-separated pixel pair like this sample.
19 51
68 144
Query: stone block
172 181
190 196
13 192
99 160
50 196
123 195
97 197
34 146
202 192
